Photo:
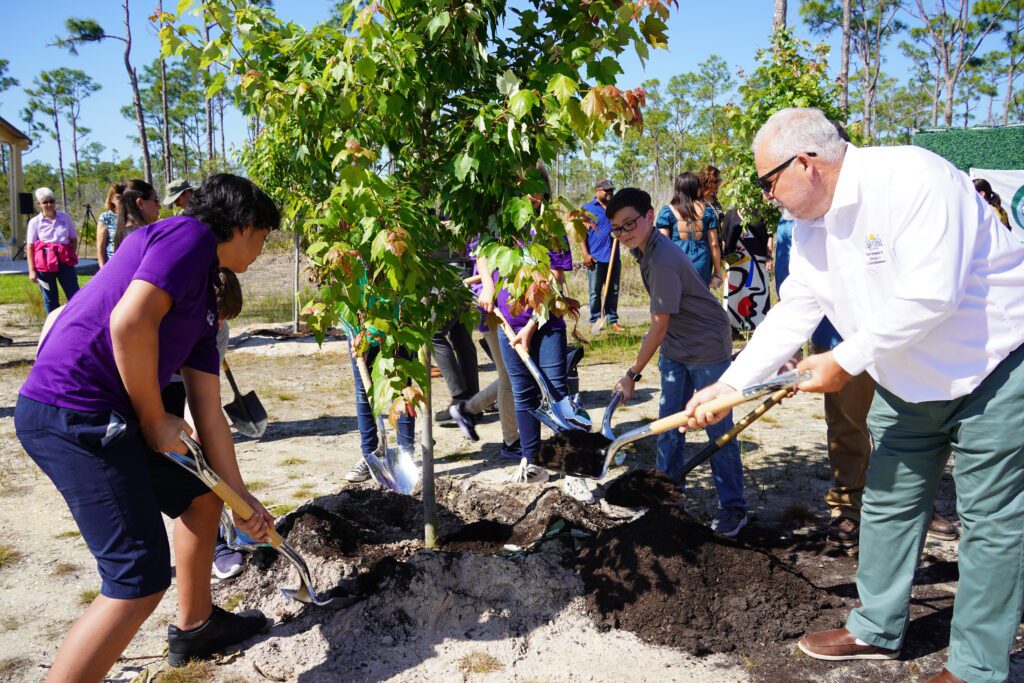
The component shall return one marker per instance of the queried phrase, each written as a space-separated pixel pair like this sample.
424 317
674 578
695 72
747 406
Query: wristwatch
635 376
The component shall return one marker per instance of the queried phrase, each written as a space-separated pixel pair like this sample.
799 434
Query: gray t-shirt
698 329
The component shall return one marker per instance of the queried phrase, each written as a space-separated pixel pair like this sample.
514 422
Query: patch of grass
282 509
303 492
798 515
68 534
818 416
193 672
8 555
615 345
769 420
292 476
256 485
480 663
748 663
286 396
9 622
290 462
87 596
12 667
63 569
233 602
16 289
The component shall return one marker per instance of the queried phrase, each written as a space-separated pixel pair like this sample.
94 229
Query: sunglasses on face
48 201
625 227
768 180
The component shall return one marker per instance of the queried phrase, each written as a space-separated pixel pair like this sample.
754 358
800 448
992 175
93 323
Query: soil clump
673 582
643 488
574 452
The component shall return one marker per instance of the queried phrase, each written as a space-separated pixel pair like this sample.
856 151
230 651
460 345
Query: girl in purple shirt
91 417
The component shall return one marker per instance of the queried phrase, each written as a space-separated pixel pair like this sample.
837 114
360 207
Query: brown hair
710 181
128 215
229 295
115 191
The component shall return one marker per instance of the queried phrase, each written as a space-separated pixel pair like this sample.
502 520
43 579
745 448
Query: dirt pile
643 488
574 452
673 582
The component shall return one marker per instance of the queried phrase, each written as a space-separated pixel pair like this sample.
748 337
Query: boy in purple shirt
91 417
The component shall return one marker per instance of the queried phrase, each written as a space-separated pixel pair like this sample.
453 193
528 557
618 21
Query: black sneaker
465 420
444 418
221 630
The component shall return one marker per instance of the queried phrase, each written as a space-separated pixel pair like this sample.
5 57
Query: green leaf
183 6
216 84
562 87
438 23
519 211
366 68
508 84
464 165
522 102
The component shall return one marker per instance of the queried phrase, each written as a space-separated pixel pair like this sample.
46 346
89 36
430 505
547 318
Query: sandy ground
310 444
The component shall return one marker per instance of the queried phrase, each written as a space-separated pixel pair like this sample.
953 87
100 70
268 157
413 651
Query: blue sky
733 29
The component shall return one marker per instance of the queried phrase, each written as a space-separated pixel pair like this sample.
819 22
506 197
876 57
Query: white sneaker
578 489
529 474
359 472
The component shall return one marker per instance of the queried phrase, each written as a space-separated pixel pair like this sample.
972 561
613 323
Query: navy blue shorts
116 488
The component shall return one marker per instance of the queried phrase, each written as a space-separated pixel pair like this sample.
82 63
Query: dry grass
291 462
282 509
63 569
193 672
256 485
13 668
479 663
286 396
233 602
798 515
87 596
9 622
303 492
8 555
68 534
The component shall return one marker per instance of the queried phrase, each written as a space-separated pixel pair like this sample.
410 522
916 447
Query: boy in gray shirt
692 330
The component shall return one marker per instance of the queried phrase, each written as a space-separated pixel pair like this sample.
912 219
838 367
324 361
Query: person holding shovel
91 417
692 332
600 255
923 284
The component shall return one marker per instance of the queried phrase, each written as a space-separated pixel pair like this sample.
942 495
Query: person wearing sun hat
177 193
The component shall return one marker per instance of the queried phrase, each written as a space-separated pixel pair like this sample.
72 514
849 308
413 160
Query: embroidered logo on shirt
873 250
211 318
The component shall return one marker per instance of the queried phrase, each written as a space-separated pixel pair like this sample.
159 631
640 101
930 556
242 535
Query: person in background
454 354
693 225
596 248
690 332
51 249
106 227
139 206
710 183
177 193
90 416
984 188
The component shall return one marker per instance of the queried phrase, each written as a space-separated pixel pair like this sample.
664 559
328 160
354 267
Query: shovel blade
248 416
598 325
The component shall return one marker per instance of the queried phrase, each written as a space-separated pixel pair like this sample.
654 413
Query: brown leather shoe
843 532
945 676
839 644
615 327
941 529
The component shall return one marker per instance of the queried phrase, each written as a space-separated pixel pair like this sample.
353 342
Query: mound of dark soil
673 582
643 488
485 537
574 452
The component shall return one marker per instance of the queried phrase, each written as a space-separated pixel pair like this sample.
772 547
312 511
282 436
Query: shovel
390 467
783 382
559 416
196 464
596 327
248 416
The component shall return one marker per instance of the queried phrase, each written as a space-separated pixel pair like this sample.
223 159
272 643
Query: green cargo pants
985 432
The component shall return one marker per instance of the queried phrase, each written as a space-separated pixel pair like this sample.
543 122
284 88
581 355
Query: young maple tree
394 114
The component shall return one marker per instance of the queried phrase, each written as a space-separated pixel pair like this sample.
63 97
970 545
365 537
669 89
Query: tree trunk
1010 75
60 154
779 20
199 146
168 160
935 102
74 152
136 98
220 114
184 149
427 449
947 110
844 64
208 101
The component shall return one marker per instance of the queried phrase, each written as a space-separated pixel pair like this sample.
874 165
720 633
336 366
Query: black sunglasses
48 201
767 183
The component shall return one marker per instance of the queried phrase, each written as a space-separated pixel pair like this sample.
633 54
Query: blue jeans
596 278
368 423
68 278
679 381
547 349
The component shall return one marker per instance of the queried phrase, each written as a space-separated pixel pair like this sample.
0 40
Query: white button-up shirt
914 271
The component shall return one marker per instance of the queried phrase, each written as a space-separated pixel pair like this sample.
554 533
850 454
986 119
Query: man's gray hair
800 130
45 193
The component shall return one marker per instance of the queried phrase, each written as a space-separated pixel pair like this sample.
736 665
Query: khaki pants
499 390
849 443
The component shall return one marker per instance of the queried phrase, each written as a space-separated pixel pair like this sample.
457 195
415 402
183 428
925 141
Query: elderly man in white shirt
914 271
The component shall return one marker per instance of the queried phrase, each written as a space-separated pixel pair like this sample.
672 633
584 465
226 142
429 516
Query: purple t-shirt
560 260
75 365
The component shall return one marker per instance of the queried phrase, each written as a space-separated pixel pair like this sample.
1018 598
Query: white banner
1009 185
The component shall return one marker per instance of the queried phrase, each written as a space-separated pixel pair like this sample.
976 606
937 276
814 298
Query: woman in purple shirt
91 417
51 249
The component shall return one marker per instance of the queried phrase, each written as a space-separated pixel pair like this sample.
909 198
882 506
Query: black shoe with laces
221 630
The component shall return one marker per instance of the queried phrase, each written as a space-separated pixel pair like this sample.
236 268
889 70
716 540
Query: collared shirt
59 229
912 268
599 235
698 327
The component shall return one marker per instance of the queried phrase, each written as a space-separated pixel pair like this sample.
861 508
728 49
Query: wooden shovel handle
718 405
510 333
364 374
244 510
608 275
